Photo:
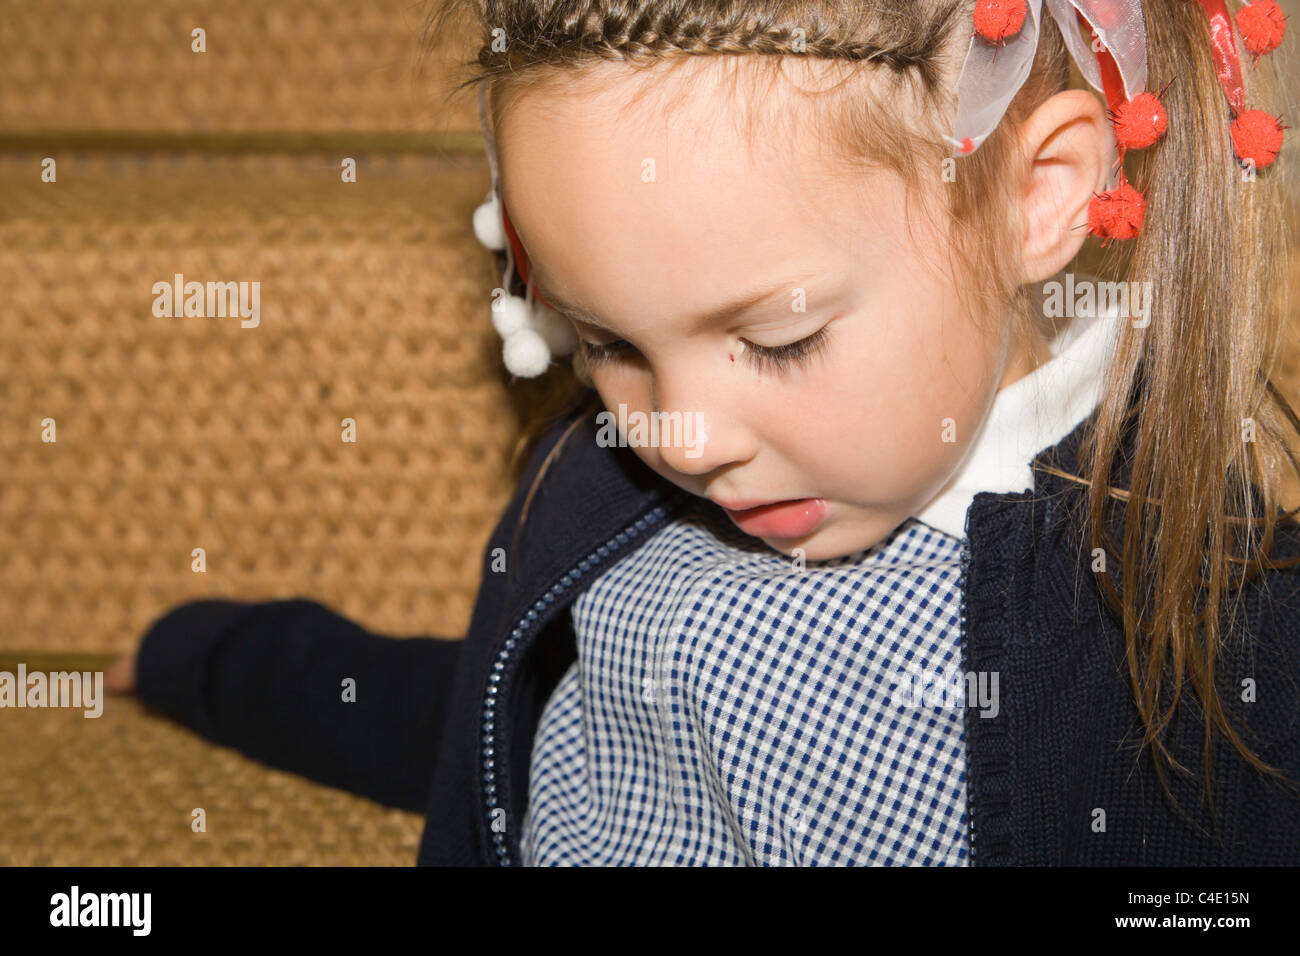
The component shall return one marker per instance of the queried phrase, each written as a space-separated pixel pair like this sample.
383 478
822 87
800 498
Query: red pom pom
995 20
1257 136
967 146
1139 122
1116 213
1262 25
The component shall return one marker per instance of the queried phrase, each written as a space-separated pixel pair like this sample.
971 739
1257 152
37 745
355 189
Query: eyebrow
713 316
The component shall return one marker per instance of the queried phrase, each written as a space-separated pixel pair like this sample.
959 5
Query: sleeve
269 680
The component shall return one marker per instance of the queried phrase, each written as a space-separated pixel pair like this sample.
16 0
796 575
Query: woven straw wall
295 65
180 433
177 433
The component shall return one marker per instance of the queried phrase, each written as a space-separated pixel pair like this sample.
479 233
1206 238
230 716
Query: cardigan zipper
965 653
495 777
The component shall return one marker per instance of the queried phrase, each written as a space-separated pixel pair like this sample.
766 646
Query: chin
815 547
829 542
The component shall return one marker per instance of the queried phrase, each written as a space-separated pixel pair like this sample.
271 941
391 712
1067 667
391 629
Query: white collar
1027 416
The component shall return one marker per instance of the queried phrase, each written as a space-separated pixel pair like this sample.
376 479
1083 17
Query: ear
1066 146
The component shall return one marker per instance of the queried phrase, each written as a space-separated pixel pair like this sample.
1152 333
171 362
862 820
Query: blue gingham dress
729 707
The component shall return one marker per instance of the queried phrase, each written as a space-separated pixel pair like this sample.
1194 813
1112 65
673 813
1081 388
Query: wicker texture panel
120 790
181 433
289 65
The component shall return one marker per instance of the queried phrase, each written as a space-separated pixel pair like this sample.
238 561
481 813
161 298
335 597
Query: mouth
790 518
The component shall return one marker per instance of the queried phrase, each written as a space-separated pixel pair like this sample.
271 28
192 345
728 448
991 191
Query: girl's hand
119 678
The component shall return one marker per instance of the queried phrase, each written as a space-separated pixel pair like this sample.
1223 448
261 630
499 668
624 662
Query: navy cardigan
446 727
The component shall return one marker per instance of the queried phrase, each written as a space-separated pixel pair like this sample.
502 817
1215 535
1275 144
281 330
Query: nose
700 428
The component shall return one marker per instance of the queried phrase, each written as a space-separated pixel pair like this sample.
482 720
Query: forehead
622 188
753 104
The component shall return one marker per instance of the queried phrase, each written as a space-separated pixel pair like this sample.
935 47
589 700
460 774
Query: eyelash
778 358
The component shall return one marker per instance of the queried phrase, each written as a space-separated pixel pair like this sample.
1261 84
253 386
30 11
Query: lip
782 518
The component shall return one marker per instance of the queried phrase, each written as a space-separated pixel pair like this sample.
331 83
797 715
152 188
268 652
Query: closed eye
776 358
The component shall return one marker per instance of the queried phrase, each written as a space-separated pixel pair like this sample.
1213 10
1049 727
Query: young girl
897 539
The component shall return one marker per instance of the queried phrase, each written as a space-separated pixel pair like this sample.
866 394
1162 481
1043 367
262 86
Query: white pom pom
488 226
558 331
525 354
511 315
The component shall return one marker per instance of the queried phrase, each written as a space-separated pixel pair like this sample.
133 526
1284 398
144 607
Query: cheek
882 404
618 386
886 377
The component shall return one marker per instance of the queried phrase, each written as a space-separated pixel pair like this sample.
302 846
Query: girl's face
651 224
